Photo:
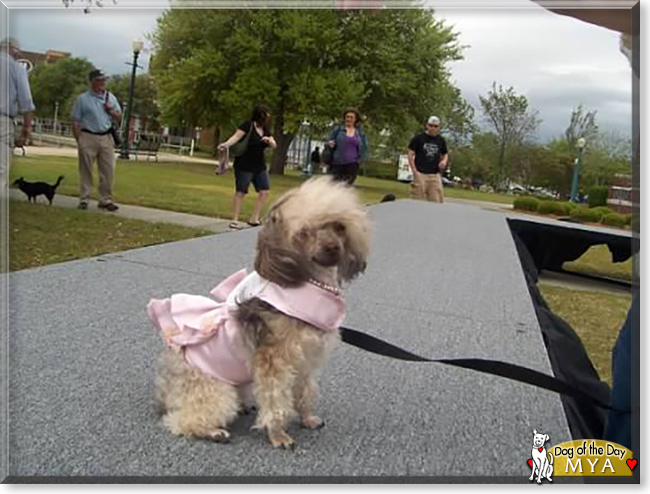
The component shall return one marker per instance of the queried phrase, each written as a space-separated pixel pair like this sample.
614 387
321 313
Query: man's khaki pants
92 147
428 186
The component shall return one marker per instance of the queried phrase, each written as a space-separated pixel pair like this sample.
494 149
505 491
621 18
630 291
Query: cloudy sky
555 61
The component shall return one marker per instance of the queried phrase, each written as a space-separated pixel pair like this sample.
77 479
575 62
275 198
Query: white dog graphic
542 464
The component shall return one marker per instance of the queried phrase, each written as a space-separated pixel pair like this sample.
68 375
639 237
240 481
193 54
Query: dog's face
19 181
319 225
539 439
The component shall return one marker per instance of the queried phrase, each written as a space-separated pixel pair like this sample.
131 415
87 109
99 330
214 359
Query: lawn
597 261
597 317
193 187
41 235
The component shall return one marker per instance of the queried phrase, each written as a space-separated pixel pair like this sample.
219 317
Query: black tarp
569 359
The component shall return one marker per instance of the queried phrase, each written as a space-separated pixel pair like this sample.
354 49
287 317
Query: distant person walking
350 146
315 160
15 99
250 166
92 122
428 158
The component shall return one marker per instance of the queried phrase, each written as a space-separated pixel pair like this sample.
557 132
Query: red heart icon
540 449
530 462
631 464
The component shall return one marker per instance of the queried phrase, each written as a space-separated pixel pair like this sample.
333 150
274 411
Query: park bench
147 146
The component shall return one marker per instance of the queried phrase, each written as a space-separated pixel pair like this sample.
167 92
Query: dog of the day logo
580 458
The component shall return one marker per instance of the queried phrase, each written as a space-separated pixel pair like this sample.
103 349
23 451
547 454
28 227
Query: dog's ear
547 438
275 260
357 246
534 431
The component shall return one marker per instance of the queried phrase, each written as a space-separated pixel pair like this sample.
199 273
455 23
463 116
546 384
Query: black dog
34 189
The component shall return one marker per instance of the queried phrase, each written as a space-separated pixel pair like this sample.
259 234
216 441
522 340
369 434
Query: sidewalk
72 152
215 225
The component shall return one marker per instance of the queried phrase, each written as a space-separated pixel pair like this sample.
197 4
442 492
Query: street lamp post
577 169
137 46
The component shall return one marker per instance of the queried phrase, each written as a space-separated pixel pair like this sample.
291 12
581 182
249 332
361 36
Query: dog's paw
220 436
313 422
280 439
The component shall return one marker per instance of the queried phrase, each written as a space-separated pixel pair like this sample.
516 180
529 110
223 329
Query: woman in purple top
350 147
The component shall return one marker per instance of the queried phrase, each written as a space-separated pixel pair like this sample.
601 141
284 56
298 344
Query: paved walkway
72 152
215 225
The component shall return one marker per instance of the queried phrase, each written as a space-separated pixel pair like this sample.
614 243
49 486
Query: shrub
526 203
569 206
604 210
586 215
598 195
614 219
551 207
628 219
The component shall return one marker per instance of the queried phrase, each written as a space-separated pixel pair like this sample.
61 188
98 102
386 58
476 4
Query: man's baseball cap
95 74
433 121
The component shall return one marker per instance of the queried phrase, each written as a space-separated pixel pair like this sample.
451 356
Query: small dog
276 328
542 464
35 189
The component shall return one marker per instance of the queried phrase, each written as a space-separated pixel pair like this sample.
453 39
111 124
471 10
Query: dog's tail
550 458
58 182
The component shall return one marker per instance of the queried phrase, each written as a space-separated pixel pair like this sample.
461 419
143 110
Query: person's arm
112 107
411 155
27 126
444 156
269 141
76 119
239 133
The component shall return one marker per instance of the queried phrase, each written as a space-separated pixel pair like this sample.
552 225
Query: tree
512 120
582 124
144 96
213 66
60 83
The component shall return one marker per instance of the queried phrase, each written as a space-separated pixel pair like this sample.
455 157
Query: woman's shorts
260 180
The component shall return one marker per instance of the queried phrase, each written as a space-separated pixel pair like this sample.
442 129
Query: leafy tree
513 121
144 96
582 124
60 82
213 66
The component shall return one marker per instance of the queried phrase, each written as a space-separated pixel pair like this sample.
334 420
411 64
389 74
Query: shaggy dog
284 318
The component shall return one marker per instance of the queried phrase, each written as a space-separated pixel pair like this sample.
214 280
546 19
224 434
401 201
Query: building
31 59
621 196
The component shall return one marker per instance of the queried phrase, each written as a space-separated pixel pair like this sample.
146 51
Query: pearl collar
330 288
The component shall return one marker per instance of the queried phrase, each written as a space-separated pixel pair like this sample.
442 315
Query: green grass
597 318
41 235
597 261
194 188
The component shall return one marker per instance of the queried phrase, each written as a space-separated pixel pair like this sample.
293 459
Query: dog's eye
339 227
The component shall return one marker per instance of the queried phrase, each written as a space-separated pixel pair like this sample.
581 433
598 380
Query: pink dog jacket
209 334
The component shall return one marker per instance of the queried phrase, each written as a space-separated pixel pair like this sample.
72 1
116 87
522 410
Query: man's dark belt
96 133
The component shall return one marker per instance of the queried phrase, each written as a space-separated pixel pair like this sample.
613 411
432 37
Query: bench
147 146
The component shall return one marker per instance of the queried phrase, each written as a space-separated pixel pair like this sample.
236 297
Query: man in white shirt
15 99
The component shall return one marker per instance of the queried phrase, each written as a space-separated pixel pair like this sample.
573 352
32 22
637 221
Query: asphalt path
442 280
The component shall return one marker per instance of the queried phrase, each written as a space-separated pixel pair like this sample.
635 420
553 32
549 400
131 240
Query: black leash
510 371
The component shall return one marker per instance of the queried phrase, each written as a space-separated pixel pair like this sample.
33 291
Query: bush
604 210
526 203
569 206
586 215
598 195
628 219
551 207
614 219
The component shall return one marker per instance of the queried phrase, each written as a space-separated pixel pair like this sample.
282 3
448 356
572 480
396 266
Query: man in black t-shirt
428 160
